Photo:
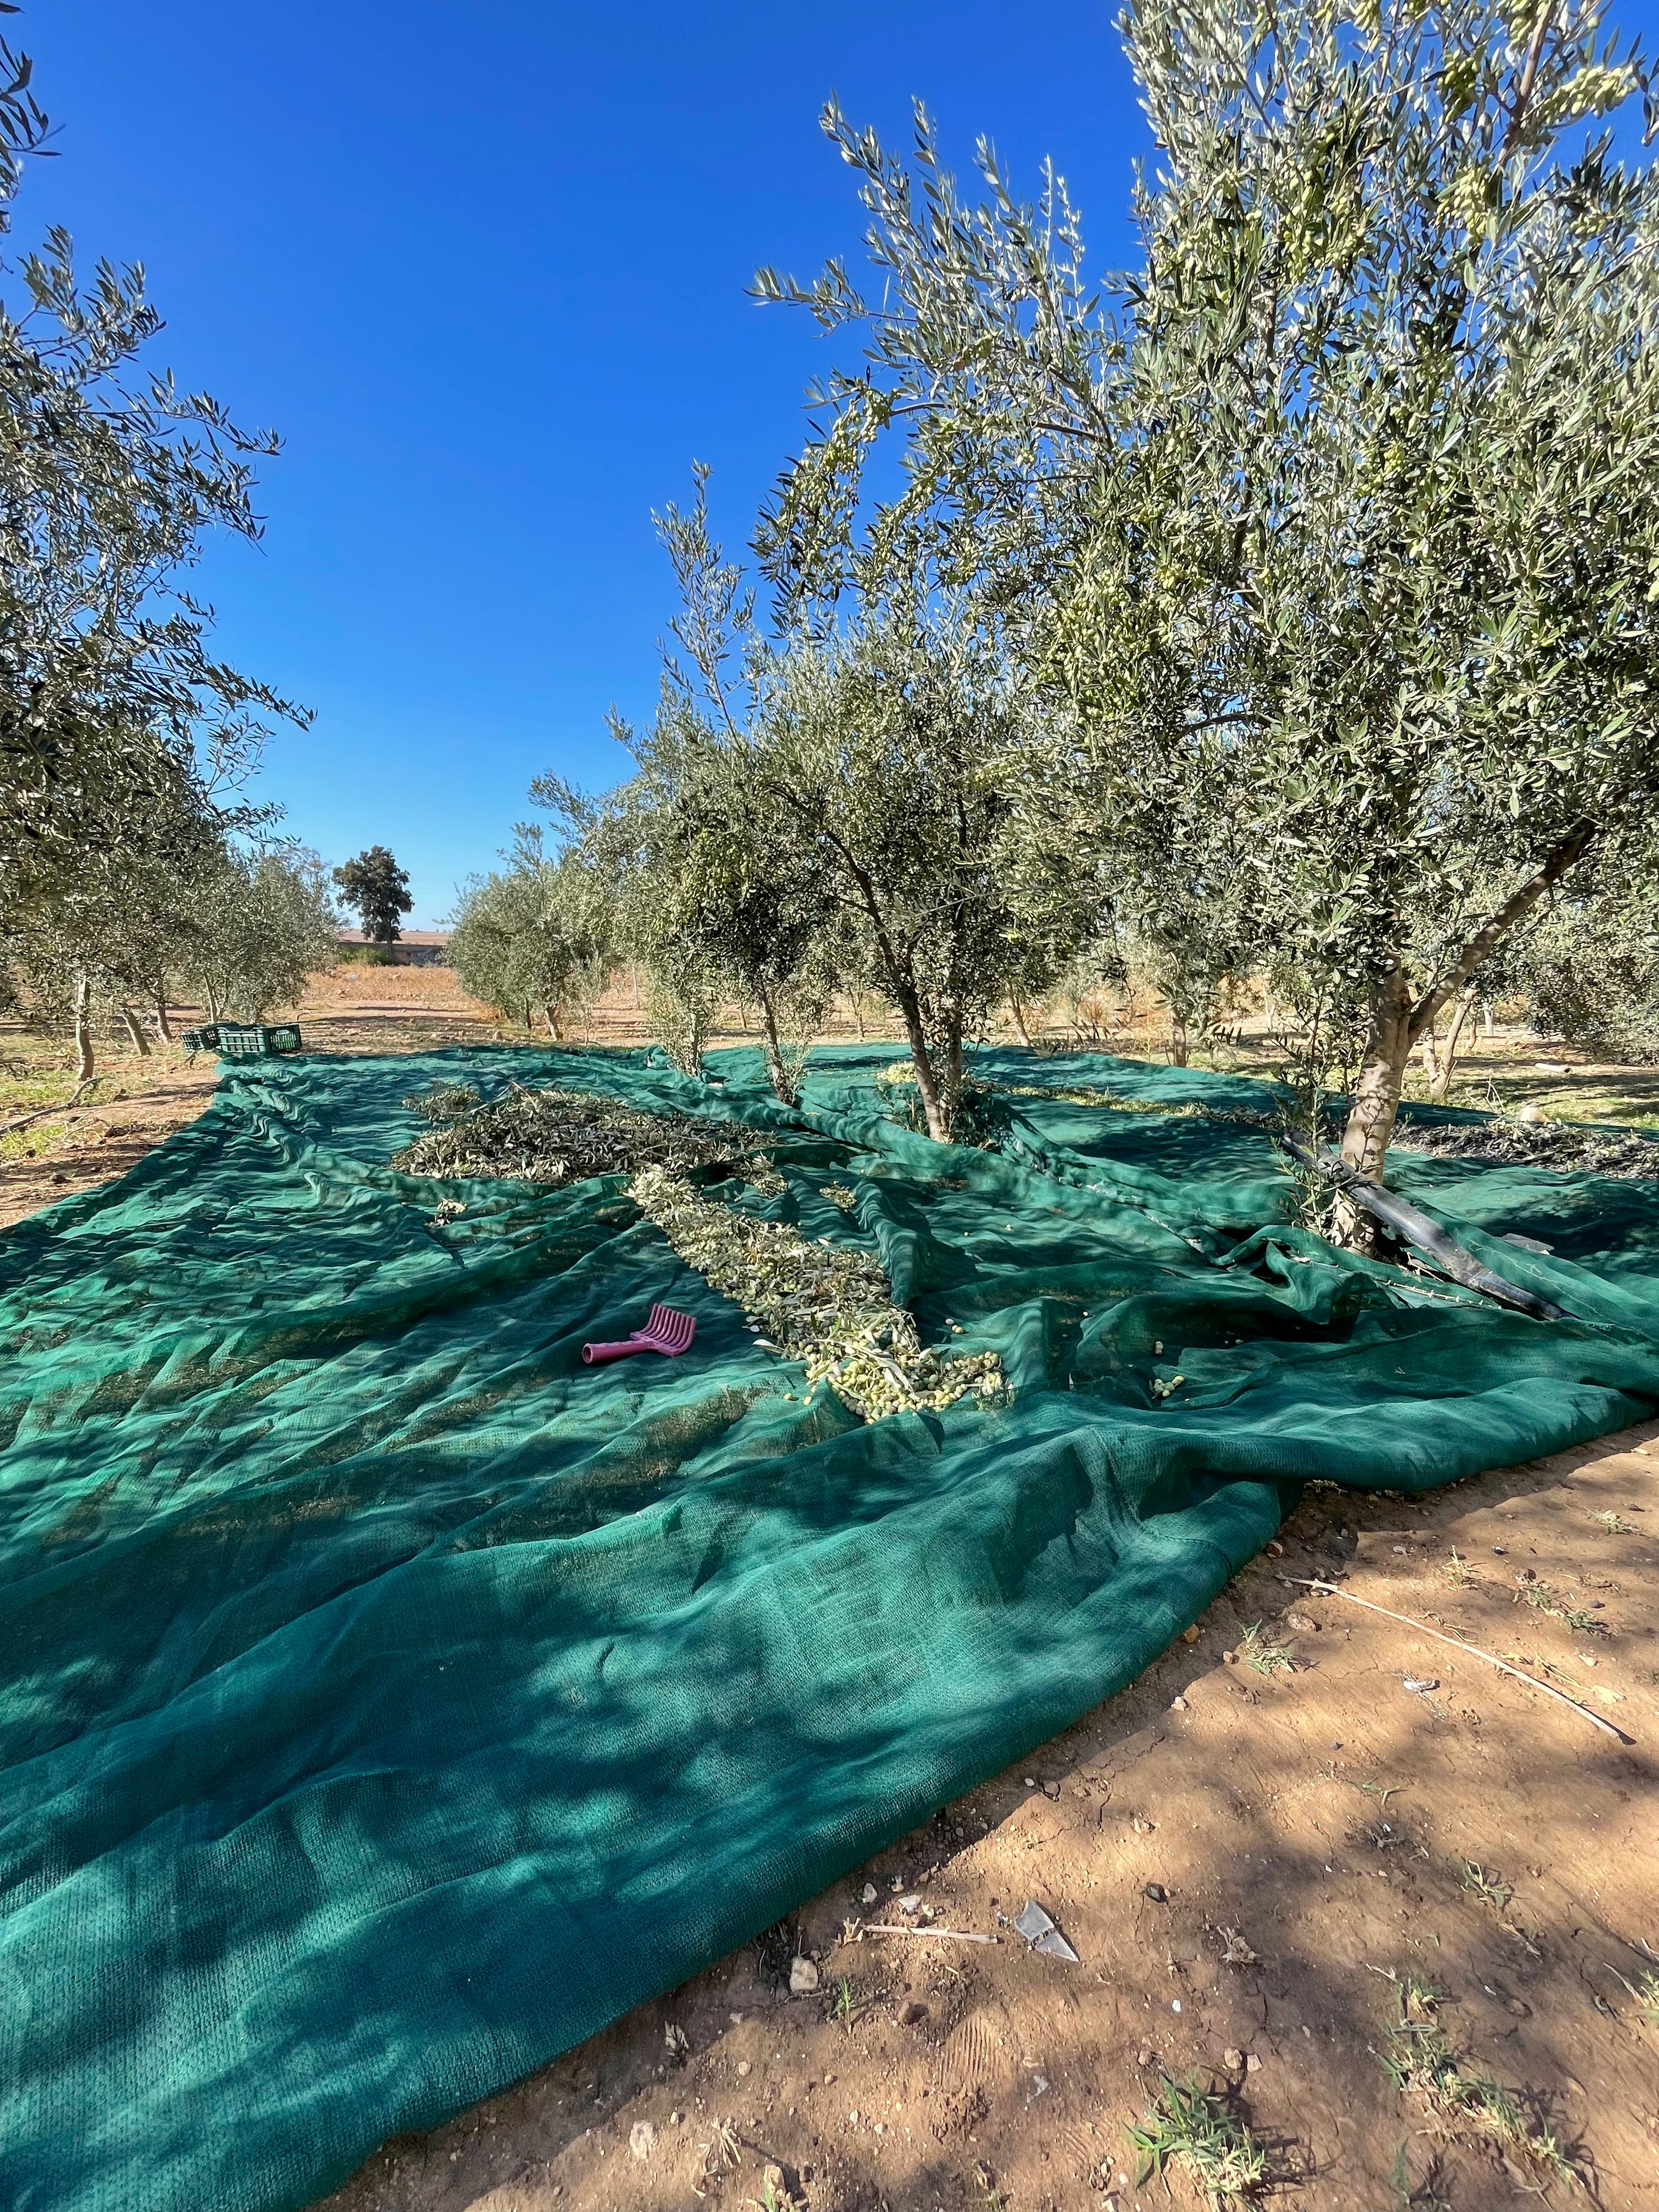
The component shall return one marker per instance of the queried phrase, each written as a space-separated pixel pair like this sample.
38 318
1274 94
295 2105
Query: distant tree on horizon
377 889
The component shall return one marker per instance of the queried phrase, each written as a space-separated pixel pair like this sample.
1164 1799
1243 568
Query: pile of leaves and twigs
559 1136
830 1307
1563 1145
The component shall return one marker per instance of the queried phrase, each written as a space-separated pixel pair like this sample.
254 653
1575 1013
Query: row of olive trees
206 921
130 863
1326 543
1287 606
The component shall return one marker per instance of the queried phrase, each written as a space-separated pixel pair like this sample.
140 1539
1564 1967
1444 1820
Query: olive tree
903 763
262 920
1588 971
717 897
1334 521
533 937
112 702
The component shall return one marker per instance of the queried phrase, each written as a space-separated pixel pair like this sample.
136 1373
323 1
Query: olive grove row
1286 607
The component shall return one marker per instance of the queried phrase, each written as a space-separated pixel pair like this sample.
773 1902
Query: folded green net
387 1701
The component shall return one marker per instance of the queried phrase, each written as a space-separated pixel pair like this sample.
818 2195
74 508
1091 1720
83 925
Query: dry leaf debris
559 1136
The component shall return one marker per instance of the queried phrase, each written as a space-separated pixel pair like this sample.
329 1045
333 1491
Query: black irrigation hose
1409 1222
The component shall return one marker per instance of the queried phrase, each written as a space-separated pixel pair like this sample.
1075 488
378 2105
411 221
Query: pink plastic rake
668 1331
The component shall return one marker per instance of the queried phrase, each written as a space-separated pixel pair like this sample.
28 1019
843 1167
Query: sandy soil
1250 1865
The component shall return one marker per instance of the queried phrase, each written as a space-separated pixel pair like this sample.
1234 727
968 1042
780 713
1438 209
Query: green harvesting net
388 1700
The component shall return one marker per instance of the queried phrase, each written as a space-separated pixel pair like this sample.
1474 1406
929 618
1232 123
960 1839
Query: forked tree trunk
134 1030
163 1027
1019 1019
1396 1024
84 1028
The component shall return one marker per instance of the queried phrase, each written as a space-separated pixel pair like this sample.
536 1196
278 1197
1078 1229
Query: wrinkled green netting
388 1701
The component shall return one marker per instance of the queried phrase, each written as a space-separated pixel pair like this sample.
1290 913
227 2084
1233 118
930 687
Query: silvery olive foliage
714 901
533 939
875 800
1334 521
185 913
1588 968
259 921
123 738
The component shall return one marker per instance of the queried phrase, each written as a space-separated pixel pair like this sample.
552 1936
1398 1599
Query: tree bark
1019 1020
774 1067
163 1027
84 1028
134 1030
933 1107
1441 1085
1430 1048
953 1067
1375 1098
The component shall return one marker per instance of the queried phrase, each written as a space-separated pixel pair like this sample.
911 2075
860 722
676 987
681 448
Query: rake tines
668 1331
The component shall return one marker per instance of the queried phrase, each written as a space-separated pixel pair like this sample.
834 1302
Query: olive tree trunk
83 1028
1441 1062
163 1027
787 1093
135 1029
1395 1024
934 1105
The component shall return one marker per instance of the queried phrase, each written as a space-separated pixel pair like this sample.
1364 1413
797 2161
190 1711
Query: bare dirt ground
1251 1865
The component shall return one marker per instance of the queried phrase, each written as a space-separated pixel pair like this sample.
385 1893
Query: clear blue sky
484 269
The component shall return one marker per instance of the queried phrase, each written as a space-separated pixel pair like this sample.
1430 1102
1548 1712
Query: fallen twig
41 1113
943 1934
1329 1589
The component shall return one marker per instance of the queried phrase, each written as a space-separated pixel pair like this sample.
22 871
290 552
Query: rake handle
595 1355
